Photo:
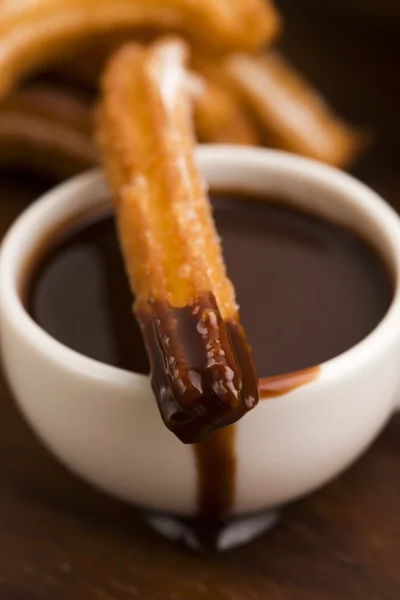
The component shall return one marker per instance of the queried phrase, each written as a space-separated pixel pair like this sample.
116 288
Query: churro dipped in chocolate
48 130
291 114
36 32
201 366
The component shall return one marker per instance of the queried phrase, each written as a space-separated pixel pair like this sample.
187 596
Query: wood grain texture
59 539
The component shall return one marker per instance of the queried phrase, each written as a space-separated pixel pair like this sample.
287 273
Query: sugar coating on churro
152 122
202 370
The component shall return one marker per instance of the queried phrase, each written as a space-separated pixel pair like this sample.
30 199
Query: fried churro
46 129
34 31
220 117
202 372
291 114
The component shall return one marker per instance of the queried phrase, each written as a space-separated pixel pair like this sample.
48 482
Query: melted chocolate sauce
202 372
308 290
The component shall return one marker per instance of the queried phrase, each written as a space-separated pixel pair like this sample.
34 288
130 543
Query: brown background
59 539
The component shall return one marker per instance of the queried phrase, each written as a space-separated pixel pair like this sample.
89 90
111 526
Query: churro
202 372
220 117
292 115
46 129
33 31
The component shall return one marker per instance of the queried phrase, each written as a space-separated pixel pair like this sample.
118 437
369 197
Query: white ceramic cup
103 422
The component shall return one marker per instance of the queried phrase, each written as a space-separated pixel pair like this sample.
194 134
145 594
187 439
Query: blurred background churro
48 130
253 98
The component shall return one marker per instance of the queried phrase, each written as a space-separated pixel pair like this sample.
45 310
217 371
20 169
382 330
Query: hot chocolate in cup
102 421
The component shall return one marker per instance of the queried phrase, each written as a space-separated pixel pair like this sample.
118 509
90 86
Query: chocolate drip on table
216 456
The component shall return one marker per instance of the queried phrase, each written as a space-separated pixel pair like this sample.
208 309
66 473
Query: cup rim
240 157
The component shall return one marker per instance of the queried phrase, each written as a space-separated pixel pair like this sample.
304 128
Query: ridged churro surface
202 370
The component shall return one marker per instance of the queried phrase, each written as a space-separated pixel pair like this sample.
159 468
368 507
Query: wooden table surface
59 539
